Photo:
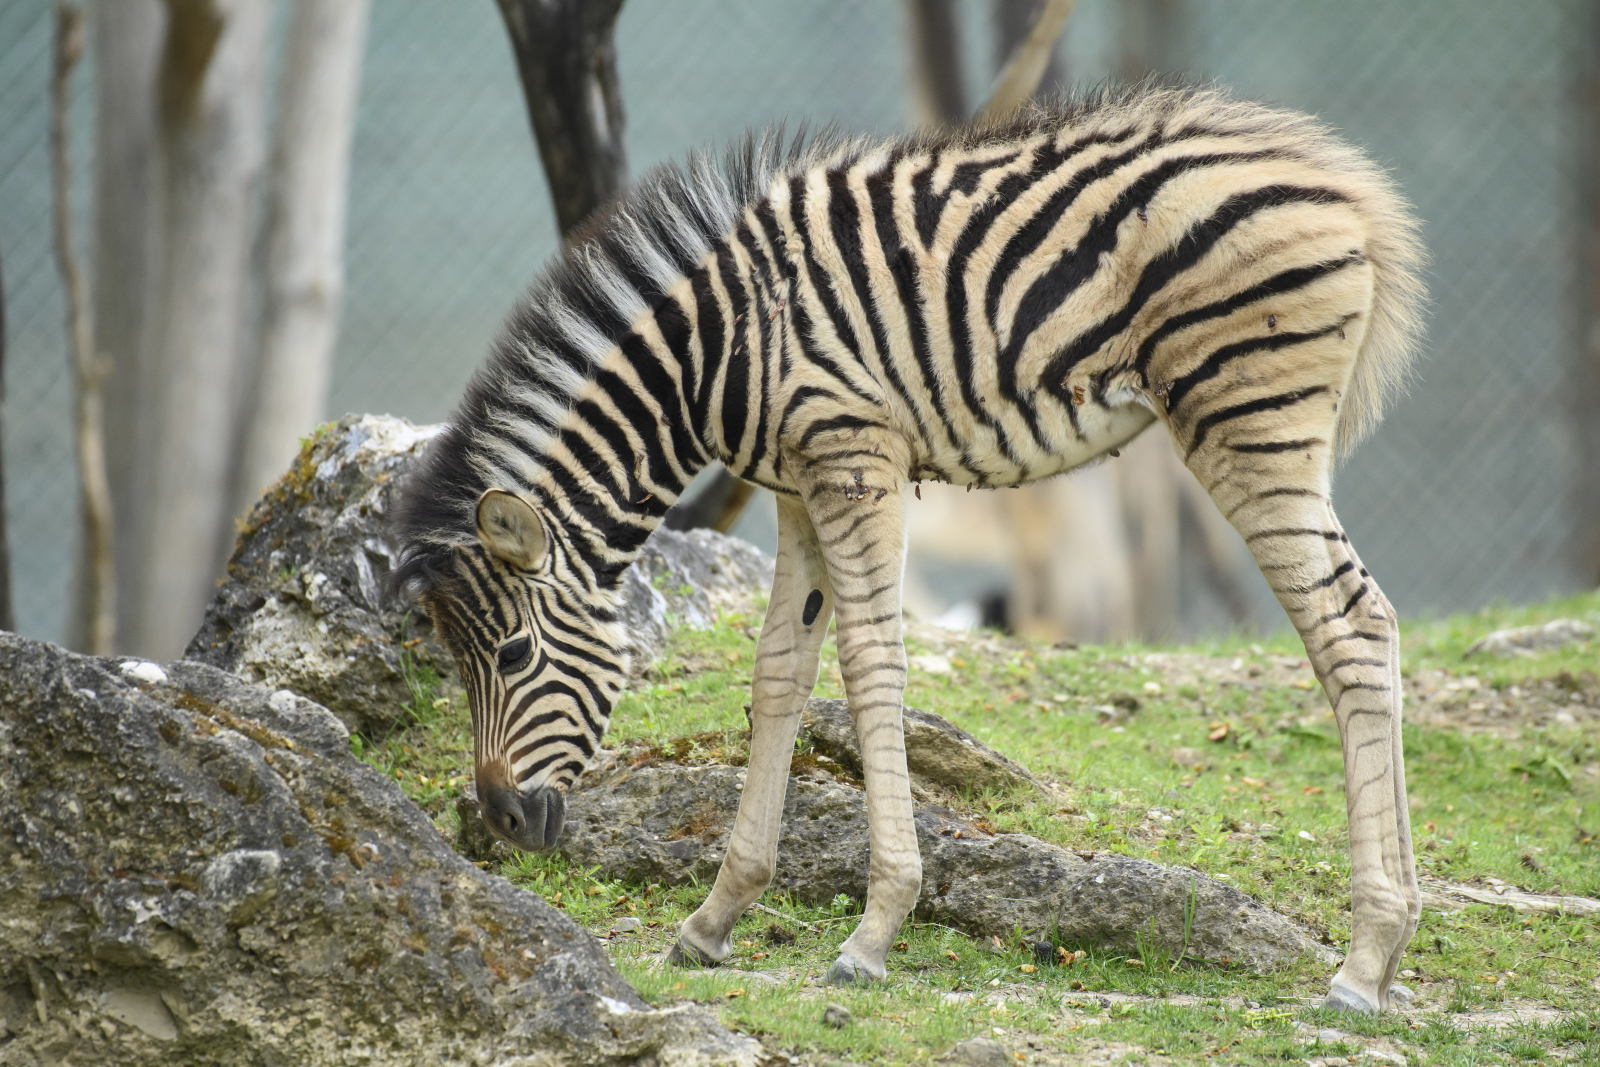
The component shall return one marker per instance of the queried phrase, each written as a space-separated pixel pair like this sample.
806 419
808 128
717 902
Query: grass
1221 757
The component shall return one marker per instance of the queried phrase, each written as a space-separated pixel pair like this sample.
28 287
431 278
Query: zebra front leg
853 495
785 673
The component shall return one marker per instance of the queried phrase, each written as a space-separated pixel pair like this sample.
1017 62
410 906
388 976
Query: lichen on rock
307 603
196 870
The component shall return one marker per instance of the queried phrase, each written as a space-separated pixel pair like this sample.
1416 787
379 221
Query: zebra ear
510 530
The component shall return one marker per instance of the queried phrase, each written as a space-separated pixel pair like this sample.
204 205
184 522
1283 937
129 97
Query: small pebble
836 1016
1378 1056
144 671
980 1052
1330 1036
1045 952
627 924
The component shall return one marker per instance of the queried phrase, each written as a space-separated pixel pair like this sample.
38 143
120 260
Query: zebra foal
835 318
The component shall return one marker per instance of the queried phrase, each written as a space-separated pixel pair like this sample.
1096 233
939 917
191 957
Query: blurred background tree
1481 485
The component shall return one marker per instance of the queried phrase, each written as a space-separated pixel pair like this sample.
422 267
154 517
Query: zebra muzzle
530 822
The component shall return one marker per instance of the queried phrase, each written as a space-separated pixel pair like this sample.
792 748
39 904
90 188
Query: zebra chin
530 822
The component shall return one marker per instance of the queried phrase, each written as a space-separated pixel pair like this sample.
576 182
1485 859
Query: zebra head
541 667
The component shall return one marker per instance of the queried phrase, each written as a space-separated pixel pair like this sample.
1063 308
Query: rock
1330 1036
938 752
684 579
1531 640
1448 896
1401 996
1394 1059
980 1052
198 871
837 1016
670 824
628 925
307 605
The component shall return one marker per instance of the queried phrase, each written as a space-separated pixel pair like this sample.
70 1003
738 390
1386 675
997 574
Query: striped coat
834 319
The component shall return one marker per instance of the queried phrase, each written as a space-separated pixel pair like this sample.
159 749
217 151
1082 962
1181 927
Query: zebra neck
638 432
684 386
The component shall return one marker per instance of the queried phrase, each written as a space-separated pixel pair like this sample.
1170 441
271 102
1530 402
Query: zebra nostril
511 822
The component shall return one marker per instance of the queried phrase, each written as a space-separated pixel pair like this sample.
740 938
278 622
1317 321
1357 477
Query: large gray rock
194 870
662 822
307 603
684 580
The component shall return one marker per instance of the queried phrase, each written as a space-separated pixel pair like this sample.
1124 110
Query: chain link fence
1465 494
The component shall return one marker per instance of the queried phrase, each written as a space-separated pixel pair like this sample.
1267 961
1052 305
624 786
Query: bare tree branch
307 189
94 628
127 42
8 615
210 145
1021 76
936 63
568 65
1013 20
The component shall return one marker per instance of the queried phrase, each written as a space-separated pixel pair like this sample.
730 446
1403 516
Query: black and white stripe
986 307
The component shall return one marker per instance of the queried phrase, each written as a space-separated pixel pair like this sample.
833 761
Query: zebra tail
1385 365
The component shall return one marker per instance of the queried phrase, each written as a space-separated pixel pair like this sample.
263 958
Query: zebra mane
619 264
614 267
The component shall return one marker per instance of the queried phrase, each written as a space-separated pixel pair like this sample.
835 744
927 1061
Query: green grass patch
1221 757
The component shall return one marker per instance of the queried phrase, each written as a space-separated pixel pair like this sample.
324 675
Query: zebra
835 318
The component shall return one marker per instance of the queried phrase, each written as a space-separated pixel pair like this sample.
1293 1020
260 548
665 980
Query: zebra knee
900 883
749 874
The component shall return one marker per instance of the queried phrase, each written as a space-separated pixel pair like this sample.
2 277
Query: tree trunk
1031 57
1148 32
128 37
93 625
936 63
568 65
209 118
1585 392
308 182
1072 564
1013 19
8 615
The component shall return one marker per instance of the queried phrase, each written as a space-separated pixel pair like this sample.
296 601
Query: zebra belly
1101 428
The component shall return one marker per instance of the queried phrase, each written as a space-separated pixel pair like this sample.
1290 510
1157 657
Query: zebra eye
514 654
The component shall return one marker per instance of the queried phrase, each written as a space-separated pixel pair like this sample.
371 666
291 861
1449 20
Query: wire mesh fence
1466 493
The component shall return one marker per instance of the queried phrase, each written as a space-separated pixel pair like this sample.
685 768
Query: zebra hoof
1343 998
847 970
682 955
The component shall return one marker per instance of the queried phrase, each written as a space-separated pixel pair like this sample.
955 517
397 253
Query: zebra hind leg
785 673
1278 499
